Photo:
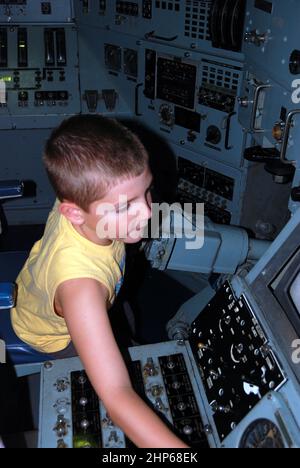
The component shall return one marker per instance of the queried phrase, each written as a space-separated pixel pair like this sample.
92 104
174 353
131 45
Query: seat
26 360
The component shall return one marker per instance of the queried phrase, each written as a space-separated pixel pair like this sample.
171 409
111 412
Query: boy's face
124 211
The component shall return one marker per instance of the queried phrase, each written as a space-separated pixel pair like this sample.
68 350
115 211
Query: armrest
7 295
11 189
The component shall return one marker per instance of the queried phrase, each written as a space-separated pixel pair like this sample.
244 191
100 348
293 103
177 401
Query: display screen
286 289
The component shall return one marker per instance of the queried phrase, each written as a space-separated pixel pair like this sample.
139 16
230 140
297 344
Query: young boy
101 176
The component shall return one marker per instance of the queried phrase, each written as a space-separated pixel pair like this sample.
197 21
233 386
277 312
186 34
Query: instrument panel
225 387
27 11
236 363
71 416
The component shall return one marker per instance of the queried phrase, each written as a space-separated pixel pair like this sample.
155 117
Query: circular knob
213 135
295 62
61 406
62 384
159 404
61 430
171 365
61 444
243 101
48 365
166 115
188 430
277 131
84 424
191 136
295 194
83 401
181 406
176 385
23 96
81 379
156 390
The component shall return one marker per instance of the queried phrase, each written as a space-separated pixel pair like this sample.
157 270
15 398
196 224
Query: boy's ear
72 212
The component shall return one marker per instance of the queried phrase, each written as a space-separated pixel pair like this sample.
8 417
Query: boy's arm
83 302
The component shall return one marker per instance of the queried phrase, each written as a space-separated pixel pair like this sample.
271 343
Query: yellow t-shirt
62 254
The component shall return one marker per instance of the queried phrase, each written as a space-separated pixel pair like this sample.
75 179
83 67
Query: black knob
23 96
295 195
295 62
213 135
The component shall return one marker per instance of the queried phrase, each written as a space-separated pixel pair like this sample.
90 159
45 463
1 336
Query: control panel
271 44
71 416
115 59
78 419
230 195
191 99
269 100
39 69
192 25
234 383
168 385
236 364
225 387
37 11
121 59
199 184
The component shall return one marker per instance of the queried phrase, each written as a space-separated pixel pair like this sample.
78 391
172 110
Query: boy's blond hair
86 155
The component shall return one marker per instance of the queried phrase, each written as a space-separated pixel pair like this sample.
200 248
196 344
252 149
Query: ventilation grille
171 5
197 15
220 77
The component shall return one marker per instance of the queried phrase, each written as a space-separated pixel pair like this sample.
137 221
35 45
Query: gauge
131 62
262 433
113 57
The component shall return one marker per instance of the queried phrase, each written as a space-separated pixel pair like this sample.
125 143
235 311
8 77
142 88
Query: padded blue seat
20 354
18 351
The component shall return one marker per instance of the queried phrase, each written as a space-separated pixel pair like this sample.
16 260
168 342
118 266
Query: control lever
152 35
91 97
263 155
110 98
